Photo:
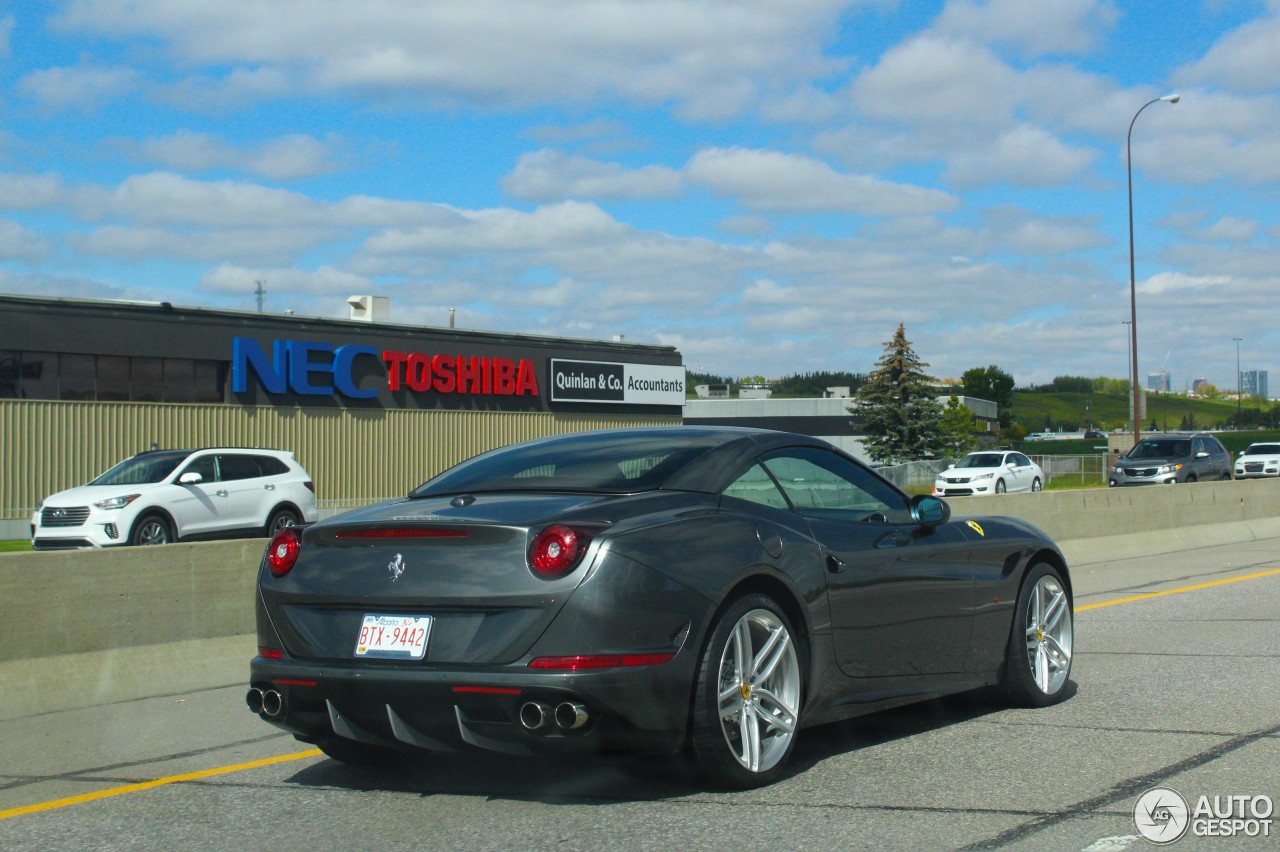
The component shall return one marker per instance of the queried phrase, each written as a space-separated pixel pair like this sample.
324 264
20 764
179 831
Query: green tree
958 427
901 417
989 383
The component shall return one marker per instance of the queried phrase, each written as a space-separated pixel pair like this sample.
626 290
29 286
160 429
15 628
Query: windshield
1161 448
982 460
607 462
151 467
1263 450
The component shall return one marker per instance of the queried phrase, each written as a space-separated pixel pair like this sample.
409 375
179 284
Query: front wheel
1038 659
747 698
151 529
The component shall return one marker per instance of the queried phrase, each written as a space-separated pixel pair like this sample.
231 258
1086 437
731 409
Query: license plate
399 637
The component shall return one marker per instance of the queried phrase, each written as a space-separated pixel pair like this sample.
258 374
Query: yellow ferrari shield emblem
977 527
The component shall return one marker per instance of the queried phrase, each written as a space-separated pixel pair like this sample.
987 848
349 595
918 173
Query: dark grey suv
1171 458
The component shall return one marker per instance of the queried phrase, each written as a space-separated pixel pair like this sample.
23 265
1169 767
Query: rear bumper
635 709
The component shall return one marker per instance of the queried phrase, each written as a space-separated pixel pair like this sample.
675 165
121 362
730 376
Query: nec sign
307 368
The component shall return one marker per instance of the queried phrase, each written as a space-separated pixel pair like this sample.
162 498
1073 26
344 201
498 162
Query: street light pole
1128 339
1133 287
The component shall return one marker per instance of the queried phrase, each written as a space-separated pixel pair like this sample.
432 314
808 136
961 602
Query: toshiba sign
308 368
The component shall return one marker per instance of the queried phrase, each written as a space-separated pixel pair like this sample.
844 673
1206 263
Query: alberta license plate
396 636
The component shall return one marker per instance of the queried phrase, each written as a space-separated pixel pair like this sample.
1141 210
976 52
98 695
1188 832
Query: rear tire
1041 641
151 529
1000 486
1036 485
280 519
746 705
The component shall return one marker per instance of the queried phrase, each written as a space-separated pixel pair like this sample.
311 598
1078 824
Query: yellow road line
1178 591
159 782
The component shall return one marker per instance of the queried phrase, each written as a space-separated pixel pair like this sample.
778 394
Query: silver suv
1172 458
164 496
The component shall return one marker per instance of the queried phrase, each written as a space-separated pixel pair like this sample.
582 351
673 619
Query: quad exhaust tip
567 716
570 716
268 702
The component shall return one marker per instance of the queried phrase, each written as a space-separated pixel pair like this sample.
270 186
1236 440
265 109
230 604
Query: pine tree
901 417
957 426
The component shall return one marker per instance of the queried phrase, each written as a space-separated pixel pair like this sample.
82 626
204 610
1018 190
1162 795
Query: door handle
220 493
269 486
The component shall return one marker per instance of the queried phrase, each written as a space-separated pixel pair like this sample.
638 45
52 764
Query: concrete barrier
86 627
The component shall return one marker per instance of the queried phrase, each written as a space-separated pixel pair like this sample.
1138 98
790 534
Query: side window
821 484
1198 446
235 466
758 487
206 466
1020 460
271 466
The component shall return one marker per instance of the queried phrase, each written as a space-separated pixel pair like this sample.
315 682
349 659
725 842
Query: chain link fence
1063 471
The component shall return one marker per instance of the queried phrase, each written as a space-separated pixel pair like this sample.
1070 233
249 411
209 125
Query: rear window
604 462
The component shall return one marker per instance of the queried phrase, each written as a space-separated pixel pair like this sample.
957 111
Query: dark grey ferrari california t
648 590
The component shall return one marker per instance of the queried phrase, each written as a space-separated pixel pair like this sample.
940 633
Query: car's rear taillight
282 552
556 551
311 486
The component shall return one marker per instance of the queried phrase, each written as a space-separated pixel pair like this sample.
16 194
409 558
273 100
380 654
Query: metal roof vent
370 308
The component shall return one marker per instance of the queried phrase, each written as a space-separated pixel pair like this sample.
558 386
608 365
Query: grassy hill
1109 411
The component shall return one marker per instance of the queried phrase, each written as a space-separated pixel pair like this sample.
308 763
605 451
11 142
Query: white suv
164 496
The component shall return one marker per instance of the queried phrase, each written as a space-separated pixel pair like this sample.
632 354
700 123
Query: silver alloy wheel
1035 484
1049 635
280 521
759 693
153 531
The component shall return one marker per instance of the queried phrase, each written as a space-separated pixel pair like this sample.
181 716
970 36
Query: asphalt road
1179 689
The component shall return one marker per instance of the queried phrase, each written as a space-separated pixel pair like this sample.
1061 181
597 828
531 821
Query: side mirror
1202 455
929 511
191 477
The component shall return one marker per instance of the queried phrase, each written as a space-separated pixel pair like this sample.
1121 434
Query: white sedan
1258 460
989 472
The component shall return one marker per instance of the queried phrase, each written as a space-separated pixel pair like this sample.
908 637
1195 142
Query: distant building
711 391
1199 386
1158 382
1254 383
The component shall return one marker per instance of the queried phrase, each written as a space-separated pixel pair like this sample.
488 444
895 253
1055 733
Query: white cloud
1246 59
21 243
1231 229
713 59
1033 29
772 181
286 158
6 34
29 192
1023 156
277 281
550 175
935 81
85 88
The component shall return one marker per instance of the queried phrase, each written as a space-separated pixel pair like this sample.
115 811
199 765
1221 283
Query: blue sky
769 187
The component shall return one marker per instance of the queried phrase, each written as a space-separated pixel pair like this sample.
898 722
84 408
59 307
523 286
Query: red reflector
270 653
487 690
599 661
401 532
288 681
